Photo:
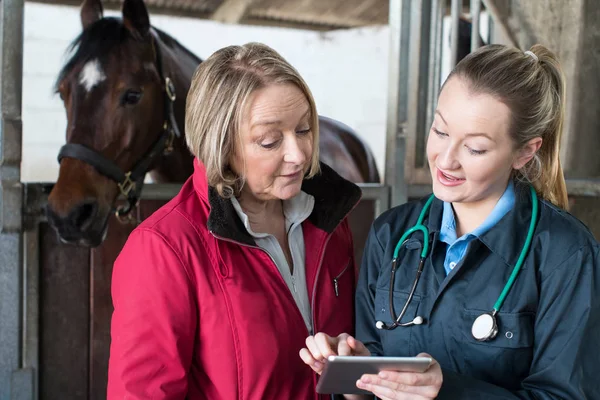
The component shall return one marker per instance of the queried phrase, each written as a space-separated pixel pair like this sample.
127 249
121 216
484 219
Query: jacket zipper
314 294
335 280
312 303
279 274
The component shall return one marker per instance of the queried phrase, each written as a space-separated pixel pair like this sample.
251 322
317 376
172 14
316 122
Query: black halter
130 183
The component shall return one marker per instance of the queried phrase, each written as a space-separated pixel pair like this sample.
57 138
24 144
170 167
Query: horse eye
131 97
60 92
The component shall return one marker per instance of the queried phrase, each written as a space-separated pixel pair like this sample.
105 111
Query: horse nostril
53 218
82 215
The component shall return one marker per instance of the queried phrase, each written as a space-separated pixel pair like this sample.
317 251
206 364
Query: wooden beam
231 11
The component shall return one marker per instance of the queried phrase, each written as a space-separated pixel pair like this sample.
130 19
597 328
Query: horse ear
91 11
135 17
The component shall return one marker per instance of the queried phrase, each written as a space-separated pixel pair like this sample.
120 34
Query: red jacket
202 313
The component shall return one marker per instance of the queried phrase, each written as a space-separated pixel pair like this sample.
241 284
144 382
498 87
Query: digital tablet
341 373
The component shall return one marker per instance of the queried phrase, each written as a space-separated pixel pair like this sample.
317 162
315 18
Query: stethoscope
485 326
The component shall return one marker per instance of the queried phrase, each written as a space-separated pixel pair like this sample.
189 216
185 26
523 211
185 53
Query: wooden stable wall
75 306
75 312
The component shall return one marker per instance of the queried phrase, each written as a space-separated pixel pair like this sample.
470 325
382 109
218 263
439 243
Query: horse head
123 96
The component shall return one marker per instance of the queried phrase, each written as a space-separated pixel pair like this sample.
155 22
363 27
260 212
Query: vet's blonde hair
532 85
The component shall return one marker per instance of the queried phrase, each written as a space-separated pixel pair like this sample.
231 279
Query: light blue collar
504 205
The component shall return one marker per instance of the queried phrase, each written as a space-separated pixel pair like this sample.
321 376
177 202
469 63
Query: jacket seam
188 273
558 267
376 235
235 334
173 208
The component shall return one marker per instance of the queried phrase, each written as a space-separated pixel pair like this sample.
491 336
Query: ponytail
550 184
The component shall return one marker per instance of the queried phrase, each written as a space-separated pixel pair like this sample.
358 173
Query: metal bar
31 301
423 73
166 191
22 385
397 111
10 307
12 379
475 12
435 57
497 18
417 191
36 195
434 61
584 187
417 92
414 85
455 11
384 202
379 193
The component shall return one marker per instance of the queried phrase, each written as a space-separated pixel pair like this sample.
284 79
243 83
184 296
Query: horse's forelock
95 42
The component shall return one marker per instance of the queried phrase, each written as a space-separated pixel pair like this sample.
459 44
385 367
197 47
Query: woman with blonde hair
498 284
215 293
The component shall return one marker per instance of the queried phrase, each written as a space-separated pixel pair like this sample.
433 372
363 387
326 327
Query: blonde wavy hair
220 91
532 85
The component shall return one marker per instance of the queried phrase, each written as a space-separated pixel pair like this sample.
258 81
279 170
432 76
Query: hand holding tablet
320 346
342 361
341 373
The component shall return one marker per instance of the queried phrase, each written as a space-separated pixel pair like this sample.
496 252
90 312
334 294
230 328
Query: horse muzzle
85 224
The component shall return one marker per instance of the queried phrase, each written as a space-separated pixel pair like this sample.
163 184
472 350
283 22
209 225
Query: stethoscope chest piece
484 327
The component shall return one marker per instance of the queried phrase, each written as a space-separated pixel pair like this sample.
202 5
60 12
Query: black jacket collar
334 197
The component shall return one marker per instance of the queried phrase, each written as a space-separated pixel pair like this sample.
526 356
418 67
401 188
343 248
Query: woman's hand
321 346
388 385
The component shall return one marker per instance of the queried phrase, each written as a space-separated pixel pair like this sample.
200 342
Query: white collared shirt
295 210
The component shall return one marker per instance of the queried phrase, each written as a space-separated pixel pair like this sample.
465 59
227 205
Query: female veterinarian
489 276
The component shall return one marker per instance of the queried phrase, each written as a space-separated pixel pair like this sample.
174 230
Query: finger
307 357
310 361
325 345
400 383
432 377
343 348
358 348
428 378
385 393
313 348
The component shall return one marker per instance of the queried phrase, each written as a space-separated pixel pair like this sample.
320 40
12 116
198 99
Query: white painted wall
346 70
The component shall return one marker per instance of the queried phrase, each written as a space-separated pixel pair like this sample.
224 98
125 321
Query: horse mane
169 41
100 38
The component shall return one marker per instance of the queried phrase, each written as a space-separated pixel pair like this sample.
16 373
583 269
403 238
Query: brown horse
124 91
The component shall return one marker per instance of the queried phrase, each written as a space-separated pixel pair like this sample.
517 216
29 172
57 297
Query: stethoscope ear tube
418 320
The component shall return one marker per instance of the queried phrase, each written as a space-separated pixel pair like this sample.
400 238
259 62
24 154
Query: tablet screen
341 373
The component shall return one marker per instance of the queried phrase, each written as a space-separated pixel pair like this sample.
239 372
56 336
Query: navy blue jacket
548 344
